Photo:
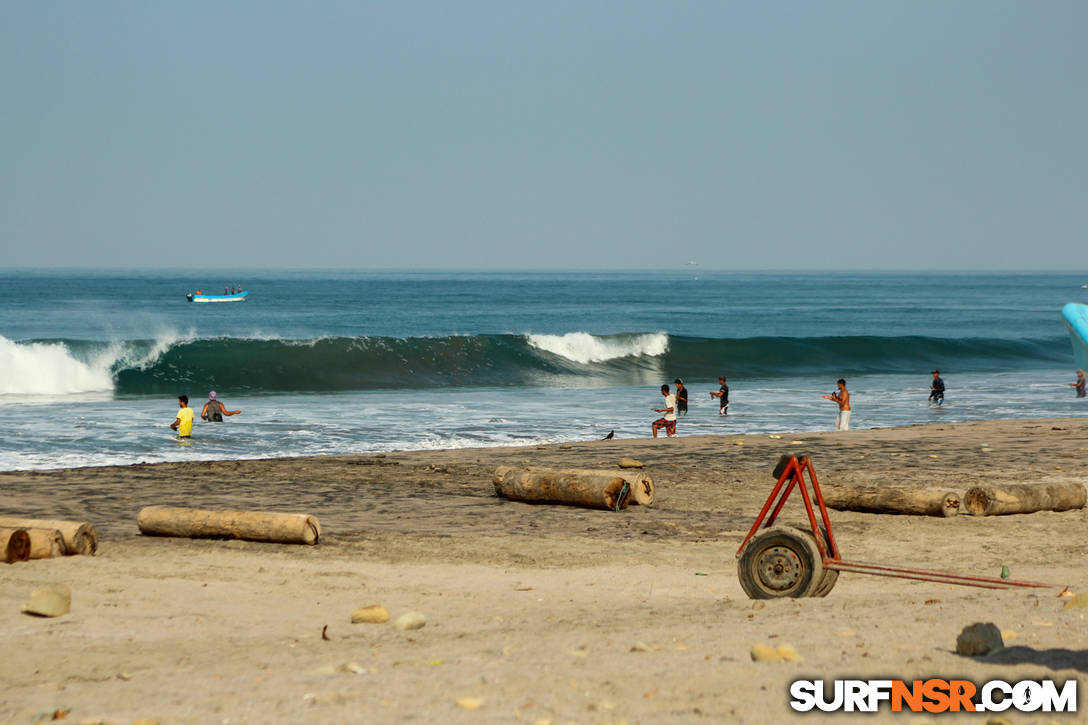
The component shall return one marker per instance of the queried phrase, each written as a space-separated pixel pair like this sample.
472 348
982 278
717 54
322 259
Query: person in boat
1080 383
183 424
936 392
214 410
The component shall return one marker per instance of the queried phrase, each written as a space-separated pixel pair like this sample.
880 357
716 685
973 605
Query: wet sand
541 613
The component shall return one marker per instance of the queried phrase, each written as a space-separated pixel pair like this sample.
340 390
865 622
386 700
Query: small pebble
630 463
52 600
372 614
641 647
469 703
411 620
980 638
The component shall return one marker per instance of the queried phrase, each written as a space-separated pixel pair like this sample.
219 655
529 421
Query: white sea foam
52 369
40 368
582 347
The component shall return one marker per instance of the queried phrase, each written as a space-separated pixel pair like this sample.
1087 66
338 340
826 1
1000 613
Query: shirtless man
842 422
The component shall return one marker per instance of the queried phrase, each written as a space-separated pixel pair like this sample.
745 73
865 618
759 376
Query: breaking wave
176 364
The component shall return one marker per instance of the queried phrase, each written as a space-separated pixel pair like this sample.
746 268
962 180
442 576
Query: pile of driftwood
591 488
22 539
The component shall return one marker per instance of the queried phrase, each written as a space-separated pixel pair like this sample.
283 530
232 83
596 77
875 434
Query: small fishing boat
198 296
1075 316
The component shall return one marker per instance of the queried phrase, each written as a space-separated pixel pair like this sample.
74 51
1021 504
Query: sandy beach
537 613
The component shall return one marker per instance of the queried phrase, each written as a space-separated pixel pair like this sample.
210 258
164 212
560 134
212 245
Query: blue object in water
1075 316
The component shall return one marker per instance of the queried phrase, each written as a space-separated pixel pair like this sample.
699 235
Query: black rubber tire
830 576
780 562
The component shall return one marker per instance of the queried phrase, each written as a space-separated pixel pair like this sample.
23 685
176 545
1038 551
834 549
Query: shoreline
543 613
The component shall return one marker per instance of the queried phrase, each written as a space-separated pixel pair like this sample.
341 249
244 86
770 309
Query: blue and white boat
1075 316
199 297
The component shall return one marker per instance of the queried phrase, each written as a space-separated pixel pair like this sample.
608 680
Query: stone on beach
980 638
410 620
782 653
52 600
630 463
372 614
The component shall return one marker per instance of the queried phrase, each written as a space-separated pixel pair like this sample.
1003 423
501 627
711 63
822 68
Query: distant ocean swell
169 366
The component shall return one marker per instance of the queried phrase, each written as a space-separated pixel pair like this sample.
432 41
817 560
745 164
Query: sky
784 135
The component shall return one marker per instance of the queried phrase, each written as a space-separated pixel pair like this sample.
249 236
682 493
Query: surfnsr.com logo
933 695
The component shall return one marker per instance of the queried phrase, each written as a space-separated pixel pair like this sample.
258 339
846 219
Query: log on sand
592 489
1024 498
248 525
887 500
14 544
79 537
641 484
642 488
46 543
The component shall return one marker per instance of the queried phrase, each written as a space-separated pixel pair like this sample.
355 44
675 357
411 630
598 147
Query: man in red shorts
667 421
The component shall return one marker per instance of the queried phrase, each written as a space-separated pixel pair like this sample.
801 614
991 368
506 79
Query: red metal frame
794 474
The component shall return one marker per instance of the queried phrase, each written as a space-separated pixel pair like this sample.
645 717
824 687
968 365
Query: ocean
354 362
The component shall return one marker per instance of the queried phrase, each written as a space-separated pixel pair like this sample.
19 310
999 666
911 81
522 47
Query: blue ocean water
338 362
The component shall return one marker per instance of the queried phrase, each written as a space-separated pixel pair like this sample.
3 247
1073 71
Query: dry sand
540 613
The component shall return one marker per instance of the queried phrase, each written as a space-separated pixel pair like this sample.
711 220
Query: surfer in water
214 410
183 424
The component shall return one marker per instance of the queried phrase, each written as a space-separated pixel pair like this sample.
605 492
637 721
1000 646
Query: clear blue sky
748 135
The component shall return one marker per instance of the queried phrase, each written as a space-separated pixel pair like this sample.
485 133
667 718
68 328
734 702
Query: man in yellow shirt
183 424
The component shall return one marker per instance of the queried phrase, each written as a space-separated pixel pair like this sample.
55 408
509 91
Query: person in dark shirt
1079 384
681 397
936 392
214 410
723 396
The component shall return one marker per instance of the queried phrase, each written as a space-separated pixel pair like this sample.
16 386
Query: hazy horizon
487 136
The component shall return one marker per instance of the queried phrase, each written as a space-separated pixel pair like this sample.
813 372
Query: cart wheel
830 576
780 562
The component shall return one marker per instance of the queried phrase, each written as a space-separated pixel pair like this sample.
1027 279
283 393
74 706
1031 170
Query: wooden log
14 544
1024 498
640 484
889 500
248 525
46 543
592 489
642 488
79 537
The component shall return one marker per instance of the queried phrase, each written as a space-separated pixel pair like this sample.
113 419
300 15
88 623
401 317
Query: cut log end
15 544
